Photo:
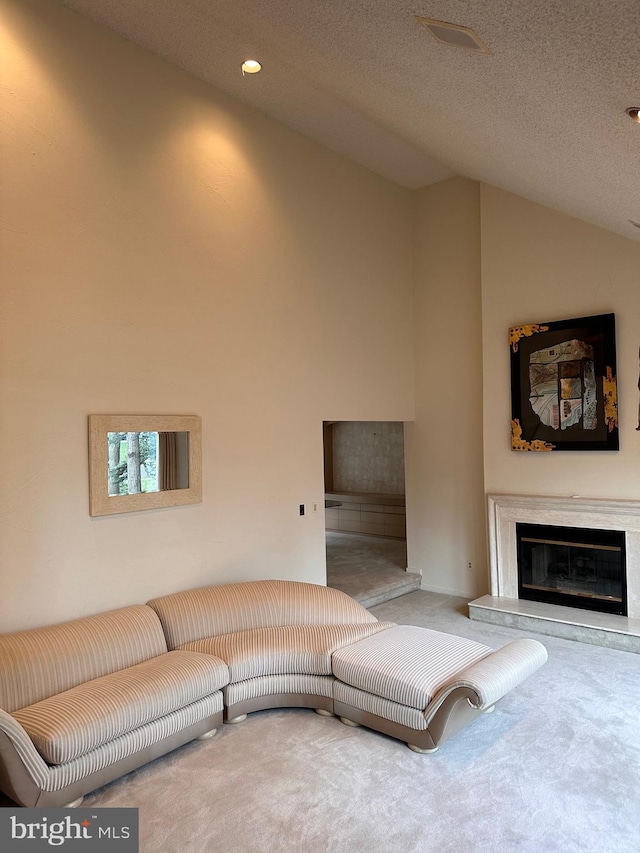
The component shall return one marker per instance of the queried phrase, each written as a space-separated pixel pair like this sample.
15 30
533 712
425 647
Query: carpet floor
370 569
556 767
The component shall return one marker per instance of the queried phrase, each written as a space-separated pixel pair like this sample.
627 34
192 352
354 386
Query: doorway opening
365 510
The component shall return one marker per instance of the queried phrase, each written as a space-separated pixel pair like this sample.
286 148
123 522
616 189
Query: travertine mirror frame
100 502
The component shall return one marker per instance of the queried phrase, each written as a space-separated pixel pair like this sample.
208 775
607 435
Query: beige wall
540 265
480 252
368 457
444 478
169 251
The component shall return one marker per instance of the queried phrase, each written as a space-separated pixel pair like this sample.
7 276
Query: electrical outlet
315 507
301 509
469 566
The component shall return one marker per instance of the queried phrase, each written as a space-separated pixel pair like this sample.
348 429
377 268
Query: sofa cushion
72 723
278 685
297 649
229 608
142 739
406 664
412 718
43 662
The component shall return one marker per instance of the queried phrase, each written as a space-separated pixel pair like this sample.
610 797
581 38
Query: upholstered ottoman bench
422 686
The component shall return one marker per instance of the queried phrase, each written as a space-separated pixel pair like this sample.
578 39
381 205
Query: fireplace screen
572 566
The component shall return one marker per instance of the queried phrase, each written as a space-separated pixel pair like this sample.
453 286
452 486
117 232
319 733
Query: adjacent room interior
331 253
365 511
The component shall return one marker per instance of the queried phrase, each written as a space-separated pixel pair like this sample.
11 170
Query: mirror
141 462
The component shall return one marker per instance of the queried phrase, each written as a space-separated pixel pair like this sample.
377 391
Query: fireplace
582 516
507 511
571 566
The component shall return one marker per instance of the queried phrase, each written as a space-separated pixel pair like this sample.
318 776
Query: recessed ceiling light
634 113
454 35
250 66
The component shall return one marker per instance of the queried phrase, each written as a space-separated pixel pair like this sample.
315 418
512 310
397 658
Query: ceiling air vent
454 35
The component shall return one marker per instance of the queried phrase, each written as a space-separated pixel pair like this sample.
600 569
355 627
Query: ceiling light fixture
634 113
251 66
454 35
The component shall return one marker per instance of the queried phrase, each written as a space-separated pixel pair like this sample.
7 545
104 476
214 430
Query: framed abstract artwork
563 385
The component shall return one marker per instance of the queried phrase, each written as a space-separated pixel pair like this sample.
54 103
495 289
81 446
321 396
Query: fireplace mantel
504 511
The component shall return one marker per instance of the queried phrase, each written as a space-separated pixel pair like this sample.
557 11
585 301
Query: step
382 592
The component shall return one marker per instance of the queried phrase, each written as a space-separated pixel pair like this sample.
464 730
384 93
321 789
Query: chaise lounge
87 701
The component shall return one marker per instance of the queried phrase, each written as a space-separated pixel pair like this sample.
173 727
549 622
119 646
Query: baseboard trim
427 587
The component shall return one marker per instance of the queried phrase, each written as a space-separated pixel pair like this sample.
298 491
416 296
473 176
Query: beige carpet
370 569
556 767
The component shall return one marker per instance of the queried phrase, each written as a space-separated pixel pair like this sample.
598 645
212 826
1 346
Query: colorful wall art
563 385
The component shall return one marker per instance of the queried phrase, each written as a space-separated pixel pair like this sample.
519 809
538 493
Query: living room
170 250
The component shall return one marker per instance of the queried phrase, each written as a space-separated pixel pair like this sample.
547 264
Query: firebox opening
572 566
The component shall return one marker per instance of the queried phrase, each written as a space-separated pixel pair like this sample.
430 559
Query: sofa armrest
494 676
18 745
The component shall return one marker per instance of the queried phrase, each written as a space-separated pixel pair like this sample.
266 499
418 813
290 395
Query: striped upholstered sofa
84 702
276 637
297 644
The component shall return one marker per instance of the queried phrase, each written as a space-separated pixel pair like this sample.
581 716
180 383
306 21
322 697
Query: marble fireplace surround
503 607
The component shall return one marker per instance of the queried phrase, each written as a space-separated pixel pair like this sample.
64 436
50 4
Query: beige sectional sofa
276 637
84 702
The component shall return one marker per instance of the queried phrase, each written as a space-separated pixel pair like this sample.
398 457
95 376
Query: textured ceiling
543 117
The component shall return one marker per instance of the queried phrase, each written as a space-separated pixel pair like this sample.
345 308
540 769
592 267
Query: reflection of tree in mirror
132 459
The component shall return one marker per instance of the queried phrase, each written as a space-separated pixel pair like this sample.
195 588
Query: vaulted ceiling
542 116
